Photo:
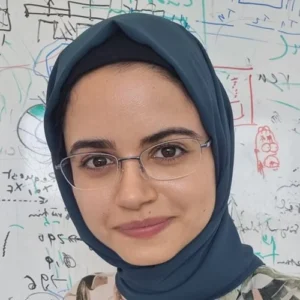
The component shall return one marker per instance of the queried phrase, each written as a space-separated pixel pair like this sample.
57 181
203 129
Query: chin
148 257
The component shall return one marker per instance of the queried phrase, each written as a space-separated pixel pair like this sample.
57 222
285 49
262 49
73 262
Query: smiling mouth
145 229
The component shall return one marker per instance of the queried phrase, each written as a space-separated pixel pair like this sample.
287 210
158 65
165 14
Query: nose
134 189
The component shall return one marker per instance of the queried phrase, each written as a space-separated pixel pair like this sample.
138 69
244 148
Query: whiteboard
255 49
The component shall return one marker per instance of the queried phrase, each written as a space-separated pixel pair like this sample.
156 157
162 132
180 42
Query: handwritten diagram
266 150
5 22
238 85
269 3
30 130
69 19
254 46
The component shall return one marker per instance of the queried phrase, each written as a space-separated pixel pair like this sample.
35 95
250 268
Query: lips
146 228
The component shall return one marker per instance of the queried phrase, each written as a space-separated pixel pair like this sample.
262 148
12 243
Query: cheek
95 208
192 198
194 190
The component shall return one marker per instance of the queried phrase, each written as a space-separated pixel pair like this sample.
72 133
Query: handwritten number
53 281
49 260
69 261
44 278
32 284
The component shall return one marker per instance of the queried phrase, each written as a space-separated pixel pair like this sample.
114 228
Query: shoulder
264 283
267 283
98 286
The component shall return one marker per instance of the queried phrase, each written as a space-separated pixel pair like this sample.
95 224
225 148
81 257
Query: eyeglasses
168 160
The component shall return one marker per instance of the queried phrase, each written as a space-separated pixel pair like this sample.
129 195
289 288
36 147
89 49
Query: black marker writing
69 261
49 260
43 214
290 262
32 284
5 242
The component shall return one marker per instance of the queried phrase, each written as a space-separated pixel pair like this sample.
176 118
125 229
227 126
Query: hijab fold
216 261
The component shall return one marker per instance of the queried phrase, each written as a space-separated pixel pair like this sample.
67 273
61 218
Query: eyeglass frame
119 161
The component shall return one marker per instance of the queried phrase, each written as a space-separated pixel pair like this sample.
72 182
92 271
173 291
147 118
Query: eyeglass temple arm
57 167
206 144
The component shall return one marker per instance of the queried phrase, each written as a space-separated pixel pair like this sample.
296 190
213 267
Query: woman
142 139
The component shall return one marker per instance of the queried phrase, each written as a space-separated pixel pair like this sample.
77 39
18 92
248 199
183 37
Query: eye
168 151
97 161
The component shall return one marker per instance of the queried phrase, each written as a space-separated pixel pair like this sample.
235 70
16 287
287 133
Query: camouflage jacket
265 283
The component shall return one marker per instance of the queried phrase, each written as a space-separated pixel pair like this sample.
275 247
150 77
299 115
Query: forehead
127 104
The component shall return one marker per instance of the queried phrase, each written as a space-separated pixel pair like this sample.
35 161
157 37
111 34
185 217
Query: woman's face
124 105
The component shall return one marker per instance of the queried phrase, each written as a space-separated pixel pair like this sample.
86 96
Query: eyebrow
92 143
156 137
147 140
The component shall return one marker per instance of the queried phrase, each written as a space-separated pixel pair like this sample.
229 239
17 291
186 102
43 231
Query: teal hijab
216 261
